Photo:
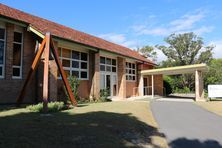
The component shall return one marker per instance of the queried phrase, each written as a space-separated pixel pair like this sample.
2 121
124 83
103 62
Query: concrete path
187 125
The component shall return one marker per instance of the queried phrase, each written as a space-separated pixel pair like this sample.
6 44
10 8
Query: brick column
199 91
141 85
121 62
95 83
53 75
9 51
158 85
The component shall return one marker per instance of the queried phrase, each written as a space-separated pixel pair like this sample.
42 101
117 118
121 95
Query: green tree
148 52
214 75
185 49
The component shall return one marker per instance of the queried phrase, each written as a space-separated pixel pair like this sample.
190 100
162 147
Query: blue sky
133 23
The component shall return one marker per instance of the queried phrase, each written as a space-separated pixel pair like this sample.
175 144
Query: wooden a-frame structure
47 45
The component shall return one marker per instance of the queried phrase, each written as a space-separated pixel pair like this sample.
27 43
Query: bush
167 86
52 107
74 84
184 90
104 93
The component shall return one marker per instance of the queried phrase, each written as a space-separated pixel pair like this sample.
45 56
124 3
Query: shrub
74 84
167 86
52 107
183 90
104 93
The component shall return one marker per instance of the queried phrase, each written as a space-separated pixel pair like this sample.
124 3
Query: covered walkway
196 69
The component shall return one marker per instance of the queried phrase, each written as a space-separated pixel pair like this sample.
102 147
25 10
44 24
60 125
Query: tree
186 49
148 52
214 75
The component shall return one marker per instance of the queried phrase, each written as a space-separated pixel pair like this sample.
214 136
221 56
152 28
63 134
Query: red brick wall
9 87
130 88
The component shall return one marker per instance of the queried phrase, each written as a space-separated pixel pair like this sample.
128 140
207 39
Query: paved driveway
187 125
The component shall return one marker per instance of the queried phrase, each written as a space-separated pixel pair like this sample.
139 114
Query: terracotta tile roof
61 31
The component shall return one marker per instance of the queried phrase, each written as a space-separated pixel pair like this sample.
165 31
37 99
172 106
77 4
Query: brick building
98 64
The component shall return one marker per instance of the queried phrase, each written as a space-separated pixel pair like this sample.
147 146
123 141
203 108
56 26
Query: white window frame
21 66
128 74
108 64
111 73
70 69
3 65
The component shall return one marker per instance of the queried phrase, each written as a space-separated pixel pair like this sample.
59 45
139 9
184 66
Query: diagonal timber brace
46 45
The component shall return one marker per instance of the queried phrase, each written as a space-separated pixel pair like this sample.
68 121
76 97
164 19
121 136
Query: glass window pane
0 71
130 65
102 67
127 78
102 81
83 74
133 71
16 72
83 65
130 71
108 61
17 54
65 63
108 68
130 77
84 56
75 64
17 37
134 78
102 60
1 52
113 69
127 65
66 53
113 62
134 66
75 55
75 73
2 33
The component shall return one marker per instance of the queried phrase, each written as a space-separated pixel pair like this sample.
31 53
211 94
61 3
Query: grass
111 124
212 106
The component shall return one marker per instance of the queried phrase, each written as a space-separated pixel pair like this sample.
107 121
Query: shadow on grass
7 107
194 143
66 129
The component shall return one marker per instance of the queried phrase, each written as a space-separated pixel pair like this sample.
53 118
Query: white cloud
186 23
217 51
113 37
120 39
160 56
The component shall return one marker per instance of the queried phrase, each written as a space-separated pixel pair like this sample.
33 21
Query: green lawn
111 124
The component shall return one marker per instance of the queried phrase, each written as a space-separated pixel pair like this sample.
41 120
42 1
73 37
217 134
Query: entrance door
109 82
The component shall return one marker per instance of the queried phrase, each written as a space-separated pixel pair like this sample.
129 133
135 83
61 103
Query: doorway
108 81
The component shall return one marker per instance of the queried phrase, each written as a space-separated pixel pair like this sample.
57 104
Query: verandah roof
176 70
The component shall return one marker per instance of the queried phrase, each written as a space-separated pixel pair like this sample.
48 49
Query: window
17 55
107 64
2 52
130 71
74 63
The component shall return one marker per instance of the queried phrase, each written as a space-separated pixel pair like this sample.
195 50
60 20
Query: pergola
196 69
